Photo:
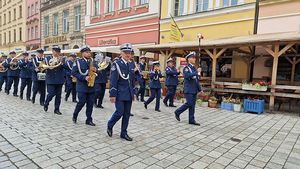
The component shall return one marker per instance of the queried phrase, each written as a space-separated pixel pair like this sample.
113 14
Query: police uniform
70 84
142 81
13 73
100 85
39 84
191 88
85 93
121 89
54 81
25 76
171 83
155 87
3 73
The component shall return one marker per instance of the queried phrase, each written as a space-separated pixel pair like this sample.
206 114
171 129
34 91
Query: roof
250 40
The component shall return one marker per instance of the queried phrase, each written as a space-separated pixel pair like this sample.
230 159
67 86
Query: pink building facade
32 24
277 16
110 23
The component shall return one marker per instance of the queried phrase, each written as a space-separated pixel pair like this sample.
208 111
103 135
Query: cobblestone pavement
31 138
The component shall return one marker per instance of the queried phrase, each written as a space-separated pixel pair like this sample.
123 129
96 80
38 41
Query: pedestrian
13 73
121 91
70 80
25 75
155 86
191 88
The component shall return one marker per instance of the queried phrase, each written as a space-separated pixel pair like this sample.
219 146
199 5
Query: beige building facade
12 25
62 24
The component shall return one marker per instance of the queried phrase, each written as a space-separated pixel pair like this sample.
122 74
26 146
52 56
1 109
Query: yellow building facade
214 19
12 25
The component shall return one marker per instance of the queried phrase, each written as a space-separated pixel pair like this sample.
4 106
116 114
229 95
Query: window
0 20
65 47
0 3
20 34
179 7
15 14
36 32
66 21
141 2
32 9
46 26
20 9
28 34
55 24
28 11
36 7
32 33
96 7
9 17
15 35
46 48
202 5
4 19
109 6
9 37
0 38
125 4
77 18
4 38
227 3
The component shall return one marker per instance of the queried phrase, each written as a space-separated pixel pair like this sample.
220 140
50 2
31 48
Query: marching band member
191 88
155 86
70 80
13 73
141 79
38 77
171 82
85 93
121 91
3 72
54 79
25 76
100 82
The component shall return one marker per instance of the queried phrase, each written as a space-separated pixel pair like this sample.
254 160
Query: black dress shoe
126 137
32 101
28 99
172 106
74 101
109 132
66 99
42 104
74 120
131 114
146 106
165 103
21 97
195 123
46 108
101 107
158 110
15 95
177 117
90 123
57 112
142 100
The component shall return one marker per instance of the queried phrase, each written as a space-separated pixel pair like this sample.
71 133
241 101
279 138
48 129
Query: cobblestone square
31 138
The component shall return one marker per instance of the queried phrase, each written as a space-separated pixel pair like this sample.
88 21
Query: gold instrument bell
53 63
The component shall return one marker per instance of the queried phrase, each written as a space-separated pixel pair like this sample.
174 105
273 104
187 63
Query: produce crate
227 106
255 106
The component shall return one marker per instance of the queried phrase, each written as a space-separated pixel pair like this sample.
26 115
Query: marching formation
85 75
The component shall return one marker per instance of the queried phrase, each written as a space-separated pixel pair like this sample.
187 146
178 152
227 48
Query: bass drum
41 76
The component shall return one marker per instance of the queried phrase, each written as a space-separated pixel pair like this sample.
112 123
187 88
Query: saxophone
92 74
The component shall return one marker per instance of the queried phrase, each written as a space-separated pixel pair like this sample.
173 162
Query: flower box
227 106
237 107
254 87
204 104
255 106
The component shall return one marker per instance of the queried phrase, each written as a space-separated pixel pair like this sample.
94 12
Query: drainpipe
256 17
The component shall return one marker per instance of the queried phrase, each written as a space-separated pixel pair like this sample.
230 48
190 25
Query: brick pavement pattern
31 138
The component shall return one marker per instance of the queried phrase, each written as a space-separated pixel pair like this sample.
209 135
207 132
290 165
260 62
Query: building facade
62 24
278 16
33 40
214 19
12 25
110 23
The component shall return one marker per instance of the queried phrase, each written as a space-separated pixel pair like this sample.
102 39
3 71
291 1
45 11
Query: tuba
2 68
103 65
53 63
14 62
